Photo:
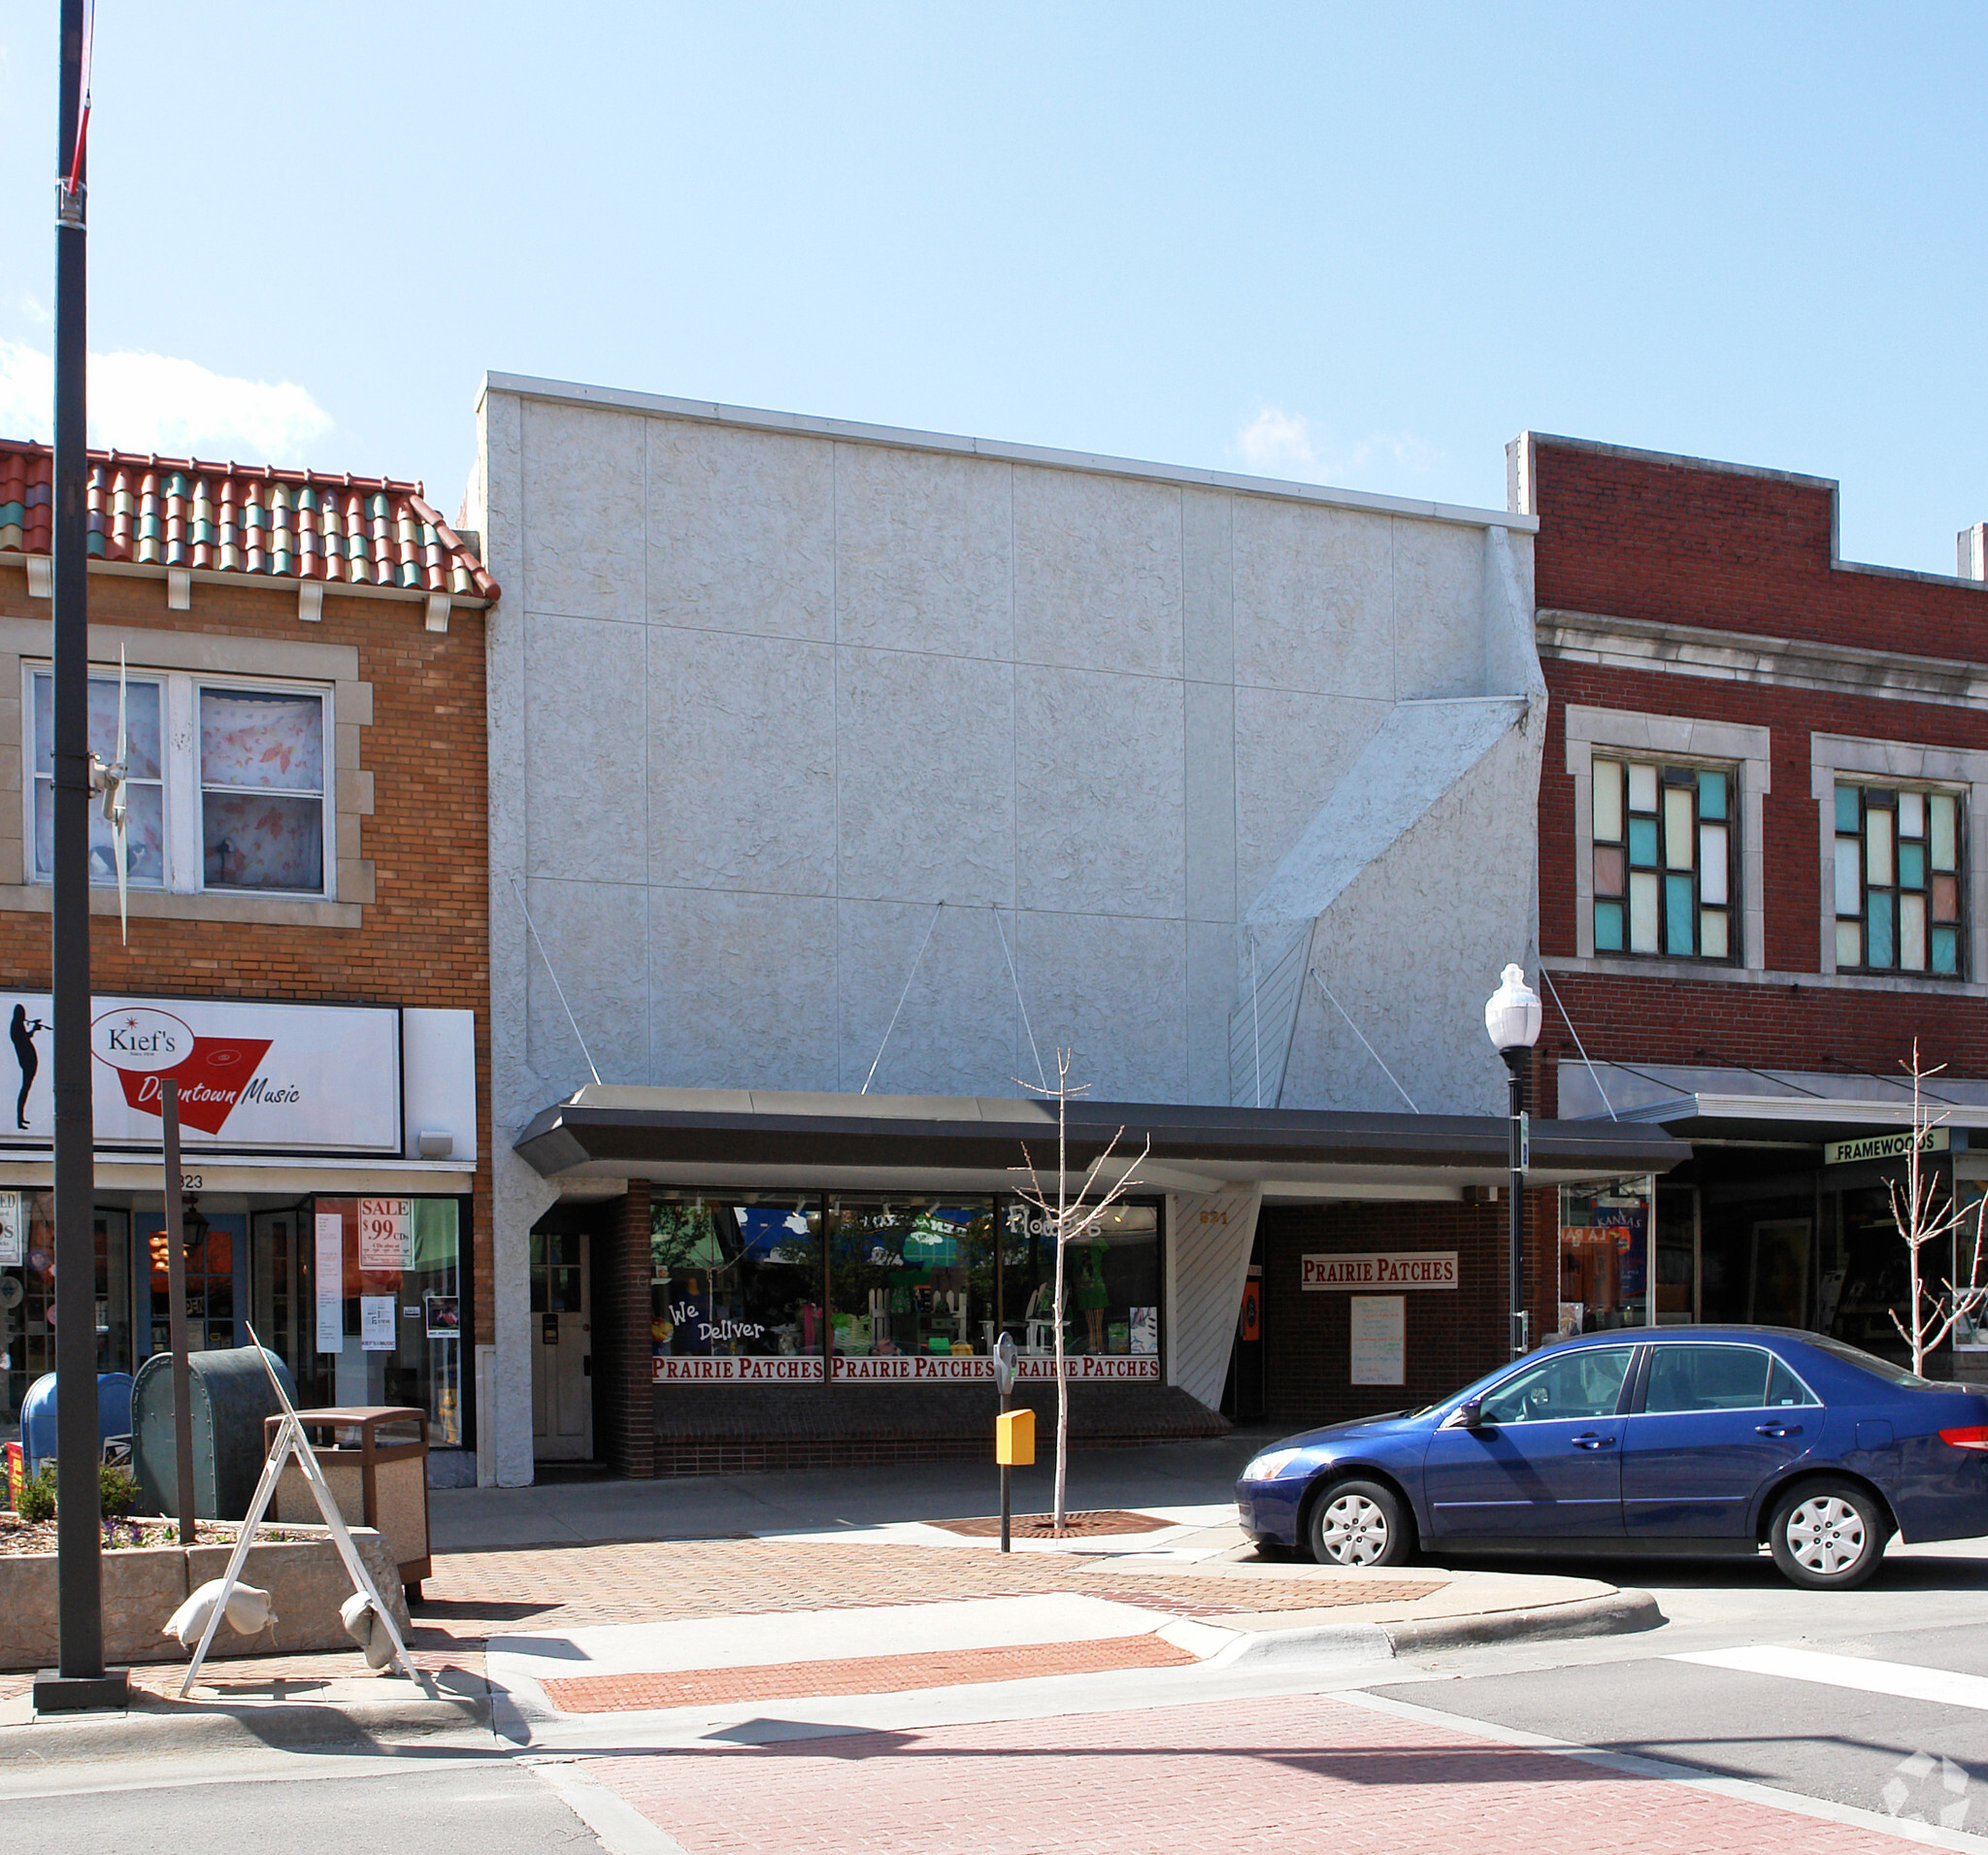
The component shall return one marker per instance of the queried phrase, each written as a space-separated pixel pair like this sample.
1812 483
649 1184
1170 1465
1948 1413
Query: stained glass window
1898 881
1663 860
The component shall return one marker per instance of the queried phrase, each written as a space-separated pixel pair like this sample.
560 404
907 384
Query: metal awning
1788 1106
751 1137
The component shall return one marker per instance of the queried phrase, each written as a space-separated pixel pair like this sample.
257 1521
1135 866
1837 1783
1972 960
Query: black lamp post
1513 1017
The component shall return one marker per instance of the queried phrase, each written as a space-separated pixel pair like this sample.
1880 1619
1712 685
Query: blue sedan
1681 1441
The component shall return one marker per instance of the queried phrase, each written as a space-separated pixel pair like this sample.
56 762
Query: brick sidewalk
1238 1777
474 1595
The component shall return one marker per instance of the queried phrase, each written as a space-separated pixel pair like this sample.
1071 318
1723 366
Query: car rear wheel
1356 1523
1828 1535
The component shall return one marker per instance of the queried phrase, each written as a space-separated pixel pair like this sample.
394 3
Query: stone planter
144 1585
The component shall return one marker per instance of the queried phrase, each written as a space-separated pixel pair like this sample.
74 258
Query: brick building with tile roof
303 660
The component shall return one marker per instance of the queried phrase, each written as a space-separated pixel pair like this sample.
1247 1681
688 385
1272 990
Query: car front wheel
1828 1535
1359 1523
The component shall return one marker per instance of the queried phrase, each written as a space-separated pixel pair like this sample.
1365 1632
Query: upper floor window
1664 859
228 788
1897 875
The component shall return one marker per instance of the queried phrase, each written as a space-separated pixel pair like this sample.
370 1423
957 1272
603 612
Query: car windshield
1870 1362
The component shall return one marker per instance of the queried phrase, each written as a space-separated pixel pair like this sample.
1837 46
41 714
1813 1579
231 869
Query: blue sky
1360 244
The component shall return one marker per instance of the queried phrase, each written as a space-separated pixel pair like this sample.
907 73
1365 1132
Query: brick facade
1451 1337
422 940
623 1389
1749 554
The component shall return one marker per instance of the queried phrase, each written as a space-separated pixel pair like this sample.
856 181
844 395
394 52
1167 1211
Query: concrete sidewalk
728 1593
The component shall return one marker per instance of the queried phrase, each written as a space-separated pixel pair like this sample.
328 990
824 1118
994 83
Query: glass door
1678 1300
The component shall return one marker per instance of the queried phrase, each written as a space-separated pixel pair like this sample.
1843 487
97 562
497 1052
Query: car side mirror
1467 1415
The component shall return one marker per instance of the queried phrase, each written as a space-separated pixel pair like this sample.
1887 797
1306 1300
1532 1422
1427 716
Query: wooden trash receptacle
375 1484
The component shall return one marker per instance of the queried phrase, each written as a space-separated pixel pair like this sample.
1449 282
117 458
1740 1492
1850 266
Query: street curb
1613 1614
215 1725
1617 1613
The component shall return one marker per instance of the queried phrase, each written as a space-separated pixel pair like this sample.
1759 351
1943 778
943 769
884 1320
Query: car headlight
1269 1464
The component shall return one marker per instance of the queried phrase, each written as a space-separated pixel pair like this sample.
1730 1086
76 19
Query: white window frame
184 788
1852 760
1614 733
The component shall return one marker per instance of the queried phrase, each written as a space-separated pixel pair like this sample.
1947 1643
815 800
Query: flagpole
80 1680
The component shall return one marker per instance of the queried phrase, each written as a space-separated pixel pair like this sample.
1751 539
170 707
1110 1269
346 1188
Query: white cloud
1279 443
158 403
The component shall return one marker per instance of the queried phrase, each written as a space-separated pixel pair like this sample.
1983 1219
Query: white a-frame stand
289 1444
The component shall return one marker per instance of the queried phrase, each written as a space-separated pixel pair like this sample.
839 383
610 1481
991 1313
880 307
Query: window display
735 1285
911 1278
1110 1283
1605 1238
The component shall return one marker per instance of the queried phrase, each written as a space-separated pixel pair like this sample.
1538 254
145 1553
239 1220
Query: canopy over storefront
755 1138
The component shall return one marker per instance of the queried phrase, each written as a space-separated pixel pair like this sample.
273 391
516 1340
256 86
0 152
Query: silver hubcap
1355 1531
1826 1535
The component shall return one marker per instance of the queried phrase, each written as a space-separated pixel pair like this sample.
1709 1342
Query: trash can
231 1396
378 1481
38 1415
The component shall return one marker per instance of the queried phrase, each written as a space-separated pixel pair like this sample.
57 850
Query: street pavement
811 1662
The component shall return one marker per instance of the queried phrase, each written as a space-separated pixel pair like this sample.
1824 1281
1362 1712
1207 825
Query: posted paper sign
331 1282
1380 1350
377 1331
13 1228
386 1234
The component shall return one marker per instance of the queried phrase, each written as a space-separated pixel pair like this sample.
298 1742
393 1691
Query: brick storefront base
741 1429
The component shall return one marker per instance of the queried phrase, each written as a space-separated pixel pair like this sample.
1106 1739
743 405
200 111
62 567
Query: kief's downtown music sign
295 1079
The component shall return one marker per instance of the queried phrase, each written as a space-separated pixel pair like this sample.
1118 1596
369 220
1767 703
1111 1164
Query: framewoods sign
1382 1269
272 1078
1845 1152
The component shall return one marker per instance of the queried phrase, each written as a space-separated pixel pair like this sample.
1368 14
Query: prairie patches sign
1381 1269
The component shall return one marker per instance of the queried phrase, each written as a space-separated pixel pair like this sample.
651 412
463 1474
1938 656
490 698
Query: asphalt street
1838 1696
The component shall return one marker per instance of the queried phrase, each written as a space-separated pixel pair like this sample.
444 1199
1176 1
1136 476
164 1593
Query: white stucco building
829 757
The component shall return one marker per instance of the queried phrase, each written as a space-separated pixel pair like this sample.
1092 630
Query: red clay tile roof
234 519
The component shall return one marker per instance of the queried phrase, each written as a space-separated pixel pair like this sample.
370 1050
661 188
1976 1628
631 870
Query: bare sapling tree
1926 1212
1068 1218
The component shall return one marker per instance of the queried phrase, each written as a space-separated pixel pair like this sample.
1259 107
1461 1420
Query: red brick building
1762 820
300 662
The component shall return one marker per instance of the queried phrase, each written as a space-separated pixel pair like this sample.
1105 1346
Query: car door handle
1777 1429
1593 1440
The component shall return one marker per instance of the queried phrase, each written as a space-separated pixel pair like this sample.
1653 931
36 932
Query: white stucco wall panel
740 990
1292 750
1110 987
926 767
1423 1012
1313 599
741 531
583 726
1209 1235
1099 791
1208 586
925 552
740 757
1097 572
583 510
597 934
1210 993
1439 623
958 1031
1209 795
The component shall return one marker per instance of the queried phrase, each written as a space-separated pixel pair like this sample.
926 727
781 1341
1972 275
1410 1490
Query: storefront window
912 1276
385 1295
735 1279
1111 1289
1604 1248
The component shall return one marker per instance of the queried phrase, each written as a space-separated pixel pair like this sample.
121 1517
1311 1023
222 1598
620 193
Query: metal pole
1515 1195
80 1680
1004 1472
176 1289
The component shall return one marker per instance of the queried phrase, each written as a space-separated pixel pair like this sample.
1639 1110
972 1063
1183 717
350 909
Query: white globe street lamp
1513 1017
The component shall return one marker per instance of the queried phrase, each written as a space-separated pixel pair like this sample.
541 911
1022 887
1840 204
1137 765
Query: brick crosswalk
1255 1777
